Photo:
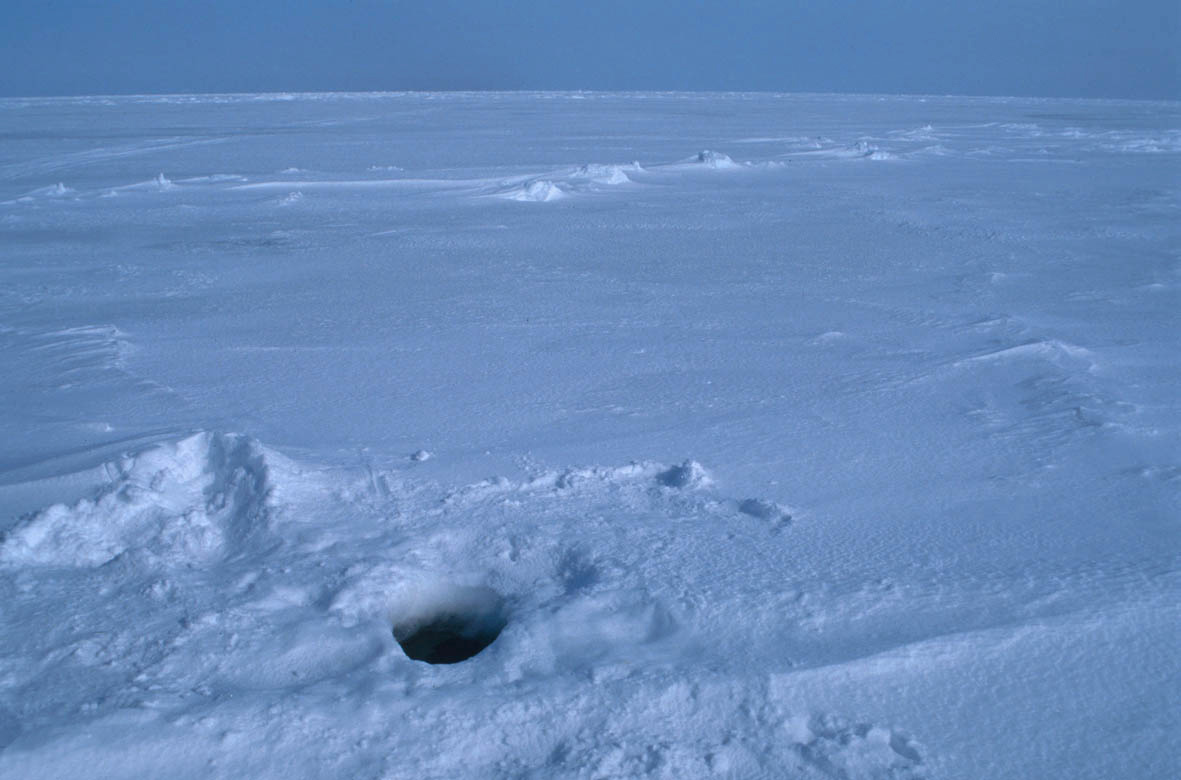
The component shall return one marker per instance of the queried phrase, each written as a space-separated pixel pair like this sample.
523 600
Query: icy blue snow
801 436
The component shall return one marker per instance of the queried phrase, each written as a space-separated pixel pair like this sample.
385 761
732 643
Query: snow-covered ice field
785 436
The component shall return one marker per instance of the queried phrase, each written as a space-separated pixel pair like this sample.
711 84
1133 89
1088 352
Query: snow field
218 577
835 437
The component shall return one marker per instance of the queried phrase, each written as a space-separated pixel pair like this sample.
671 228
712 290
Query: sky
1053 48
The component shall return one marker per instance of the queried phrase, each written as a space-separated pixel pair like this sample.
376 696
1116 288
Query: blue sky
1085 48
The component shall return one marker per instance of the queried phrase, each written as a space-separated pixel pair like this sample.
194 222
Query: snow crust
849 447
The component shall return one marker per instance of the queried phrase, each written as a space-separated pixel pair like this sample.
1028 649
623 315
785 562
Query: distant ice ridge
1110 141
872 152
607 174
1048 349
178 503
585 178
213 178
58 190
539 190
161 182
712 159
860 150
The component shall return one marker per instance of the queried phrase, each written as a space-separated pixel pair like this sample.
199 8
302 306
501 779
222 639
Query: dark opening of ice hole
450 624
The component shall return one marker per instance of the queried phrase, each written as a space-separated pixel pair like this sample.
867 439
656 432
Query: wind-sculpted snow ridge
685 479
177 504
706 159
100 155
589 178
159 184
1105 141
607 174
213 178
861 150
538 191
1049 349
538 187
58 190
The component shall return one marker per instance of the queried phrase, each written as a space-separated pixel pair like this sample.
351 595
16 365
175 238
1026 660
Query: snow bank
178 504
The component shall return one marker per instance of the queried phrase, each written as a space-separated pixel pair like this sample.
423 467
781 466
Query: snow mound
717 160
605 174
764 510
537 191
178 503
870 151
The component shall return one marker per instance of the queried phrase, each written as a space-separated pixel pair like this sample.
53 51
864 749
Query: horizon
615 92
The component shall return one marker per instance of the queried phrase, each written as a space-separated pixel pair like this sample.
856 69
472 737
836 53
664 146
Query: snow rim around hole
443 623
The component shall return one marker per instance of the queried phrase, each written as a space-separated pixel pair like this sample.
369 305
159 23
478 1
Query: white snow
764 461
539 190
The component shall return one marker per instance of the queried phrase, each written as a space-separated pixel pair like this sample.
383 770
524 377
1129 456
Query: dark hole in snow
450 624
687 475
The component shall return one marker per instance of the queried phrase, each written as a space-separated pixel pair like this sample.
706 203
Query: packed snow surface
751 436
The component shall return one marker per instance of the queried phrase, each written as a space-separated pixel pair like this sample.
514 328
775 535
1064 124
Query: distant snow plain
786 435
